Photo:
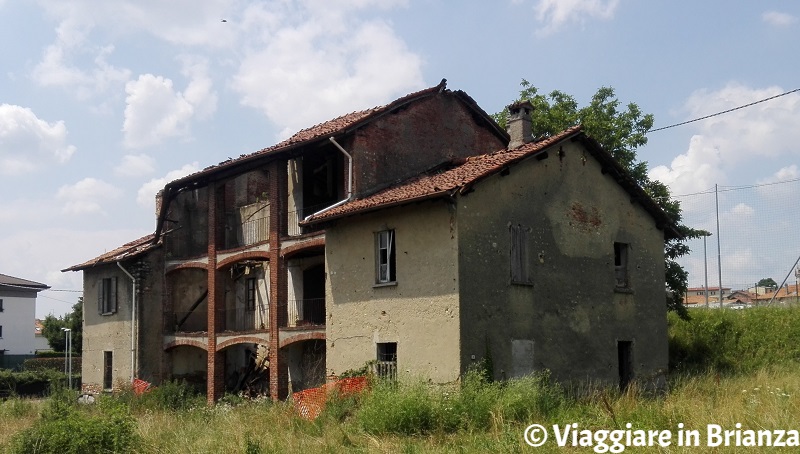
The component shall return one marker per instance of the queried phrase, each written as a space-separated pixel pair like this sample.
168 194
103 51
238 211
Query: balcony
302 313
293 227
247 225
236 319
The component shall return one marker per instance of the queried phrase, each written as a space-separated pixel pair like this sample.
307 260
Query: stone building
230 276
417 235
544 255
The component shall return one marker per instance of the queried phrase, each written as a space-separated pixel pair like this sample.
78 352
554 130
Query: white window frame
385 255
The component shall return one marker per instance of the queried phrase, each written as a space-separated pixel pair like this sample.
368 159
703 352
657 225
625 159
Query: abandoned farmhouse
418 236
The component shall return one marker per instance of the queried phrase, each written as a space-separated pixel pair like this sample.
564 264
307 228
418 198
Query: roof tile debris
126 251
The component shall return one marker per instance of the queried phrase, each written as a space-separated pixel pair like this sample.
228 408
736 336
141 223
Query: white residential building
17 315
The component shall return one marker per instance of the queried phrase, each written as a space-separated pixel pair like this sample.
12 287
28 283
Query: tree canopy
767 282
620 130
55 335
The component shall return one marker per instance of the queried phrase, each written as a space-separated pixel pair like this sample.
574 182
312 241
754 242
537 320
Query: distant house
17 315
697 295
785 294
418 234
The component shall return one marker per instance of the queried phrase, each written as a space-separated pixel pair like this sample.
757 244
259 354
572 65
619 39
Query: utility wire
724 111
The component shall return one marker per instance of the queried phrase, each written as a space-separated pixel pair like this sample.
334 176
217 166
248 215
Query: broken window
520 263
250 297
385 257
107 296
386 366
621 265
108 370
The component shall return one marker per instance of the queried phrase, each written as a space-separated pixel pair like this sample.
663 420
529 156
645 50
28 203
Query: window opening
385 272
621 265
108 370
386 365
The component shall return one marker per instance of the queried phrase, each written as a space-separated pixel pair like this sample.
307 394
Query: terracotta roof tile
325 129
444 182
126 251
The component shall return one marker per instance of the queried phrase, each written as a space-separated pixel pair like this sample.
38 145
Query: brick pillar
278 187
215 378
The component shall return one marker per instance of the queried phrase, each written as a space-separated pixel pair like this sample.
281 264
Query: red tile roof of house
341 125
446 182
126 251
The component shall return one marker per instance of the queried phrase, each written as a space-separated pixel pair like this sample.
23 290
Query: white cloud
725 142
135 165
742 209
147 193
313 64
155 111
25 140
555 13
86 196
778 19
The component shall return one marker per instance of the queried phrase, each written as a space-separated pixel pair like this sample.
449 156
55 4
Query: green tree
55 335
620 130
767 282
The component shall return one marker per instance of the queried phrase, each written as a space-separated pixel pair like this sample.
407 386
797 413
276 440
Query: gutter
133 321
349 181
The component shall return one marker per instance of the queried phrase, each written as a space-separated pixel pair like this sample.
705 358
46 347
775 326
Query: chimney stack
519 124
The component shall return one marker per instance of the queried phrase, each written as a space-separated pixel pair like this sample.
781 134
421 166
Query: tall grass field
727 368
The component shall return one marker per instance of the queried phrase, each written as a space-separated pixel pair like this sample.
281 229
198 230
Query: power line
62 290
736 188
723 112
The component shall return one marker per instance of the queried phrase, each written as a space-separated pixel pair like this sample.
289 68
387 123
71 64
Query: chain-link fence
758 238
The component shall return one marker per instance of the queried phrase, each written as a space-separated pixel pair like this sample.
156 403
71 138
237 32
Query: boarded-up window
520 256
107 296
621 265
385 257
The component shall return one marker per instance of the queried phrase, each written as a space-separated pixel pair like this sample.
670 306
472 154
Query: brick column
215 379
278 187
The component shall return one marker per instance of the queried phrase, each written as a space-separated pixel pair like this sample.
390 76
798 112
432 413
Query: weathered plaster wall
415 138
420 313
570 319
187 228
103 333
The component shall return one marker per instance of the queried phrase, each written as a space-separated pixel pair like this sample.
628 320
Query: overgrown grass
732 367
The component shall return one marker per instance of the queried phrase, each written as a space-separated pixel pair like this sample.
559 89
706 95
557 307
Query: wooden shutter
100 294
112 305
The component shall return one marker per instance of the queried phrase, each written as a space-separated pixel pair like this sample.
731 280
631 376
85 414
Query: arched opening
247 369
189 364
305 364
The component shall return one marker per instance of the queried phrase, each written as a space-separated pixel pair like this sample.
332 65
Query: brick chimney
159 201
519 124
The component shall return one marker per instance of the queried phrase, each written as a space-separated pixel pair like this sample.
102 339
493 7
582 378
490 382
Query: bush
169 396
729 341
39 364
400 409
64 428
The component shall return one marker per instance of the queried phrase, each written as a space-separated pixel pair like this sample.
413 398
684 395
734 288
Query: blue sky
102 103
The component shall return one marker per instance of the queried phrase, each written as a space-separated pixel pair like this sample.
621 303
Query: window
250 302
107 296
386 366
108 370
520 263
621 265
385 257
1 305
1 331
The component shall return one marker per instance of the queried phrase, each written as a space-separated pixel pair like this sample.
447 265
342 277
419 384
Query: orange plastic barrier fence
140 386
309 403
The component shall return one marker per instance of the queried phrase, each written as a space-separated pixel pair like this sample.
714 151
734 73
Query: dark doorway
314 295
625 358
